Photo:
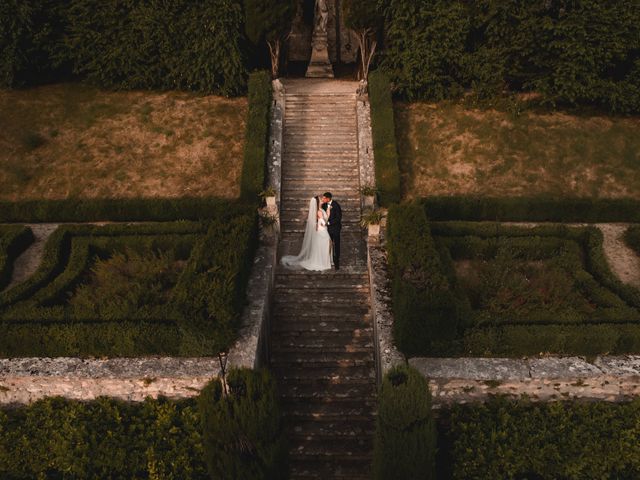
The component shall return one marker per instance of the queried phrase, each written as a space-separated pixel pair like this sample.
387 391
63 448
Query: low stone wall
464 380
24 380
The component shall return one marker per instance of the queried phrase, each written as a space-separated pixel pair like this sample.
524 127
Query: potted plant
269 195
371 220
369 195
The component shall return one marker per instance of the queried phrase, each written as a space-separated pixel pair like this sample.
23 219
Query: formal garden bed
490 289
173 288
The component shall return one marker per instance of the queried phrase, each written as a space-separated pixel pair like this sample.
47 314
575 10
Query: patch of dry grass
72 140
447 149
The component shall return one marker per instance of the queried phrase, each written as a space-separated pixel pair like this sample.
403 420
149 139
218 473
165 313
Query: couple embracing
321 243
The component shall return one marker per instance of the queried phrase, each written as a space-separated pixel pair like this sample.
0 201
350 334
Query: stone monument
320 65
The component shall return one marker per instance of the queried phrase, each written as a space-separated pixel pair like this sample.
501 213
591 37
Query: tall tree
363 17
269 21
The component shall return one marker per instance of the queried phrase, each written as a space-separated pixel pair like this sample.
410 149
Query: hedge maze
172 288
490 289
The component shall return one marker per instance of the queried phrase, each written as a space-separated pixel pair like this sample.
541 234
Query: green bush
509 303
426 311
570 52
56 438
199 308
632 238
118 210
405 439
13 241
518 440
256 145
384 139
242 431
120 44
532 209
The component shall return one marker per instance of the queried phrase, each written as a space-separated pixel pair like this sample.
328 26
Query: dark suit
334 225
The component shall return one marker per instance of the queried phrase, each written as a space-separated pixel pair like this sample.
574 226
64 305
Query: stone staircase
322 351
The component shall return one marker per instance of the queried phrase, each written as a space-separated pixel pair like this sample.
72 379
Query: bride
315 251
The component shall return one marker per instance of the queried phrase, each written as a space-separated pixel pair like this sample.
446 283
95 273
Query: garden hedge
14 240
384 139
520 439
117 210
572 53
405 438
243 433
120 44
425 306
532 209
256 144
632 238
105 438
200 314
435 313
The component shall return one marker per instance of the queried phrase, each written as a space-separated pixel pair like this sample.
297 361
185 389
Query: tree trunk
274 52
367 50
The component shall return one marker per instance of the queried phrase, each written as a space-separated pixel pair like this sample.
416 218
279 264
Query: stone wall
463 380
299 44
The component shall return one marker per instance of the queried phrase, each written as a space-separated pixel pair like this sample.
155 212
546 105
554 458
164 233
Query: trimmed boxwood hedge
243 433
532 209
256 146
118 210
433 314
384 139
14 239
105 438
520 439
405 438
200 317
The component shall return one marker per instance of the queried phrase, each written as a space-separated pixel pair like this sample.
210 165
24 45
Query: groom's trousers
335 238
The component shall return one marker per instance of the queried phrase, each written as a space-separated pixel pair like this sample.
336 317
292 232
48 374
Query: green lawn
447 149
75 141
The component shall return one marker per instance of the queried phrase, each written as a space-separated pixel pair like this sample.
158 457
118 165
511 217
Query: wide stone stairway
322 350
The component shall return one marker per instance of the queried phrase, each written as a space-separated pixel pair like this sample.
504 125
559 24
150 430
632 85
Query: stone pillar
320 65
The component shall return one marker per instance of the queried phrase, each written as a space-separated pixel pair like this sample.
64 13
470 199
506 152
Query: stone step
328 430
354 467
340 295
338 446
308 391
285 363
298 347
361 336
333 325
324 373
324 407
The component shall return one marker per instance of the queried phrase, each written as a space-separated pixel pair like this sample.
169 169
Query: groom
334 225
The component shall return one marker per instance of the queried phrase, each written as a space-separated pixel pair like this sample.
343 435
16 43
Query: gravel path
27 263
623 261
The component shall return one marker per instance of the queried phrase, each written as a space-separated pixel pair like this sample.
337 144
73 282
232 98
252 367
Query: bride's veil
305 251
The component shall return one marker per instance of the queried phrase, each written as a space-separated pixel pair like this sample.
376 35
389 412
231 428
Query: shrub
384 139
425 308
570 52
256 146
569 440
405 438
13 241
242 431
632 238
532 209
117 44
118 210
105 438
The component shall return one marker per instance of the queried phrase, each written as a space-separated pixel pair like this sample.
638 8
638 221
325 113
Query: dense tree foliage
177 44
363 17
571 52
269 21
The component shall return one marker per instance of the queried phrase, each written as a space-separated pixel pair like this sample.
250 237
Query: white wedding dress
315 252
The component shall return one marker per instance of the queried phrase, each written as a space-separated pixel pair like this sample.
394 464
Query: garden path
29 261
322 350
